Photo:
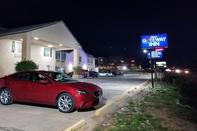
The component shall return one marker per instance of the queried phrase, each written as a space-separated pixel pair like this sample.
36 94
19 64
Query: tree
77 70
25 65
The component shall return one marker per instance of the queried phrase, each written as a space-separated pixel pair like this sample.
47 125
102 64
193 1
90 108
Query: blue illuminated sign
155 54
154 41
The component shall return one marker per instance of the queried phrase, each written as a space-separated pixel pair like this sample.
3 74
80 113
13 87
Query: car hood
83 86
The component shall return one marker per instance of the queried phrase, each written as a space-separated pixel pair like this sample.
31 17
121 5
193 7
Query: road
30 117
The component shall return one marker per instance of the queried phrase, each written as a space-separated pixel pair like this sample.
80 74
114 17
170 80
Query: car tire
6 97
65 103
84 76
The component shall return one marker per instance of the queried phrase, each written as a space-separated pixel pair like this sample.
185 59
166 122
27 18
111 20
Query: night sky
115 27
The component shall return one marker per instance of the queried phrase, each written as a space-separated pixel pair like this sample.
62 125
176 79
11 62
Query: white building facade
40 43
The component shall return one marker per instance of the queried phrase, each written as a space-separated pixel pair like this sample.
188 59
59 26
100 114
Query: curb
76 126
121 97
83 123
102 109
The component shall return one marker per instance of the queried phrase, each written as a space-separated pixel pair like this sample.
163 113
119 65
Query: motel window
47 52
17 47
80 59
63 56
88 60
91 60
57 56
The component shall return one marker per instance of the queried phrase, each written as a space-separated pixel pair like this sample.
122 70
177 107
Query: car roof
32 71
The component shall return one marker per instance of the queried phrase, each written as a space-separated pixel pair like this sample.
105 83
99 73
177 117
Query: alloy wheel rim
5 97
65 103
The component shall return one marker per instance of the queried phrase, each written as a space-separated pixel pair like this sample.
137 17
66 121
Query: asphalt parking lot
30 117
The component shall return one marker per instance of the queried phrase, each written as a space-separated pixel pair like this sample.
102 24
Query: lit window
17 47
47 52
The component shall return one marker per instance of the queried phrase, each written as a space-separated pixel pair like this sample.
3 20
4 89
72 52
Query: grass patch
157 111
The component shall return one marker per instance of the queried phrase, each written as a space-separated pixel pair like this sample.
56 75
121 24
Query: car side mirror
44 81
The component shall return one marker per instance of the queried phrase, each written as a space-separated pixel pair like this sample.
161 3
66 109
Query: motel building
51 46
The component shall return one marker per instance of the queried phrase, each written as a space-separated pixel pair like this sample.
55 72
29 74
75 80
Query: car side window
49 74
37 77
22 76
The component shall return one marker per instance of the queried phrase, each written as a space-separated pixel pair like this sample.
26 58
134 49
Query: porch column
26 46
76 57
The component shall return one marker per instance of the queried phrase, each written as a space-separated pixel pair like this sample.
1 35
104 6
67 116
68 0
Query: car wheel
65 103
6 97
84 76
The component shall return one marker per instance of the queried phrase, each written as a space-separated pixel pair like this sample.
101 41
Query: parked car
114 72
105 73
93 74
84 73
70 74
50 88
119 72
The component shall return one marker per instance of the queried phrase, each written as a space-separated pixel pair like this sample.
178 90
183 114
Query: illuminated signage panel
155 54
154 41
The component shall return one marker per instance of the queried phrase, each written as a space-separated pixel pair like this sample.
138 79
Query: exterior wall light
36 38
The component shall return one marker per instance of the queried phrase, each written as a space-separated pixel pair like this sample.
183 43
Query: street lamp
124 67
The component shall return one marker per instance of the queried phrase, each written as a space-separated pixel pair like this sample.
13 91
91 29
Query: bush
168 77
77 70
185 87
25 65
182 84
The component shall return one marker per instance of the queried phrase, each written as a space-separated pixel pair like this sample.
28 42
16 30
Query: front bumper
87 101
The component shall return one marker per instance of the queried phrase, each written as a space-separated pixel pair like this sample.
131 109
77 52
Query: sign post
151 42
151 68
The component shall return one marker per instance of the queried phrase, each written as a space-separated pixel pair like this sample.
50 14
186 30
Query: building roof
26 28
89 55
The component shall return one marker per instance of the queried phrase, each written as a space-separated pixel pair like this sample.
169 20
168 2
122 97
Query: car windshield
59 77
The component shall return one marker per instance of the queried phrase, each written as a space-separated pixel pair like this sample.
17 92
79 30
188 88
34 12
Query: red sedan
49 87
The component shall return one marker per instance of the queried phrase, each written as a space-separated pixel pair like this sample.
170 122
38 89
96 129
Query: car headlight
82 92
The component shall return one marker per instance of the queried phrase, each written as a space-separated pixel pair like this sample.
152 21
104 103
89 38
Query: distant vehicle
50 88
105 73
84 73
93 74
119 72
114 72
70 74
